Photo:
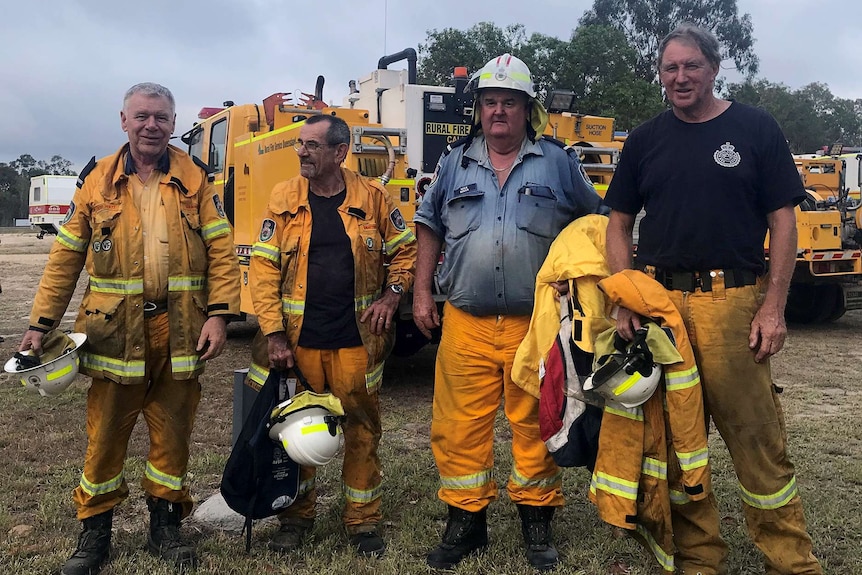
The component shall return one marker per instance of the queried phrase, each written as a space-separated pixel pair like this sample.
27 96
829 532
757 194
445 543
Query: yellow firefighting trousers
473 373
343 370
169 408
742 401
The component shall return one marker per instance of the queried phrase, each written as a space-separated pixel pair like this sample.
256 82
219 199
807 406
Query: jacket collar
163 165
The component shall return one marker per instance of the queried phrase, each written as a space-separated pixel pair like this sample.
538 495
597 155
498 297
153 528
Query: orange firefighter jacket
631 484
279 262
577 255
102 231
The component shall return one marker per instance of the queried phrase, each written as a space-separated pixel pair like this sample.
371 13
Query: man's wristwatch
397 289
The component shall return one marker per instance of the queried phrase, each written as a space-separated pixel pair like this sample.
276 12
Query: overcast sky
65 64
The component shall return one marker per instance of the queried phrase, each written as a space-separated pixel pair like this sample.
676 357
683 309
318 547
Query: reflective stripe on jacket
630 484
279 262
103 232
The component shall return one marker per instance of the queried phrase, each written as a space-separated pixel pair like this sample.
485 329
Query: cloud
65 65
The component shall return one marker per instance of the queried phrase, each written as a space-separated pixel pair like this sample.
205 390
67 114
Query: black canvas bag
259 479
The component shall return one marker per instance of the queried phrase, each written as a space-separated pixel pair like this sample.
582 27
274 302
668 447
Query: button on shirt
496 239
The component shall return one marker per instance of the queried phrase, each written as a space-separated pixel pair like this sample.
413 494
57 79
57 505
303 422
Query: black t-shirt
329 321
706 188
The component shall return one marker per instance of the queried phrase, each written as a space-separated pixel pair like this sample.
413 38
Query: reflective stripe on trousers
168 407
344 371
718 323
473 375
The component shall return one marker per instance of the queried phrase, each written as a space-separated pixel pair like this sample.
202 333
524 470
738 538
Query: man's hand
628 322
280 354
213 337
32 340
768 333
425 314
381 313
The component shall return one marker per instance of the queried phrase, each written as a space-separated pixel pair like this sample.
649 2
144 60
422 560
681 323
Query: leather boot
164 539
536 527
466 532
94 546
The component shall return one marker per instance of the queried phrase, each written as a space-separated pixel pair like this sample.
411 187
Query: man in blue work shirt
498 200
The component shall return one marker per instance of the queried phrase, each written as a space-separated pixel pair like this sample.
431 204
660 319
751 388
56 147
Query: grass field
42 443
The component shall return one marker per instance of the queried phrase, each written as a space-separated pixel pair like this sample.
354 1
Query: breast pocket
104 244
537 211
194 242
464 211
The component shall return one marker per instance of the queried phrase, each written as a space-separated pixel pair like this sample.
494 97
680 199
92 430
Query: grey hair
692 34
150 89
338 131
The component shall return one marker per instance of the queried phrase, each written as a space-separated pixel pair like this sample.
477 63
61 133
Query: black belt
154 308
690 281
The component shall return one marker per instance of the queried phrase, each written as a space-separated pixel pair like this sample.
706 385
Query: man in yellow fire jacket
325 302
163 279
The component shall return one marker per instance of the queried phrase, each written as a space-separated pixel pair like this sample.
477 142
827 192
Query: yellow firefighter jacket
279 262
578 255
637 477
102 230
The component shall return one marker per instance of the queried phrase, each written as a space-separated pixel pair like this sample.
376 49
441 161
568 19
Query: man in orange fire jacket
326 302
163 278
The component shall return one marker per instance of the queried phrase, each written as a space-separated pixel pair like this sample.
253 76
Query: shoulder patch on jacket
205 168
397 220
85 172
267 230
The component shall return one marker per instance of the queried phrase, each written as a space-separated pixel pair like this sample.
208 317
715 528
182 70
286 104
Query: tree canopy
645 22
608 62
596 63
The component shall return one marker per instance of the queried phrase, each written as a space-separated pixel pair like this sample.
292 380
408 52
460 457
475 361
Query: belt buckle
150 306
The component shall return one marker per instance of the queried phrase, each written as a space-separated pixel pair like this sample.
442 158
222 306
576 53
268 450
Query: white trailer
50 197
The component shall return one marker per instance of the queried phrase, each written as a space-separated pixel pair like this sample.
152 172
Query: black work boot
94 546
164 539
536 527
466 532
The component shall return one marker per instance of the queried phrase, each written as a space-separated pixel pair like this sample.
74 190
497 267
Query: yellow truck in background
399 130
827 280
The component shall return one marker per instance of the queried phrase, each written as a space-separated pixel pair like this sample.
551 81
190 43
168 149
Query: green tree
14 189
645 22
449 47
596 63
801 125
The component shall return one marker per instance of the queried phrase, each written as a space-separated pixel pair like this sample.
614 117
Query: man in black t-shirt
712 177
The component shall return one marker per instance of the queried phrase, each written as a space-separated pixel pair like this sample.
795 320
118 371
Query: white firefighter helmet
506 72
308 426
628 378
509 73
52 372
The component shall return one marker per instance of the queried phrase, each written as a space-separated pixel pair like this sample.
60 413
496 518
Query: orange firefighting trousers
742 401
343 370
169 408
473 373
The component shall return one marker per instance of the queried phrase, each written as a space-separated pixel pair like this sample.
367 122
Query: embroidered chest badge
727 156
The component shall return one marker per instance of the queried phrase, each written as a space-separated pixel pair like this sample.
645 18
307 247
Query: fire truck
827 280
399 130
49 201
